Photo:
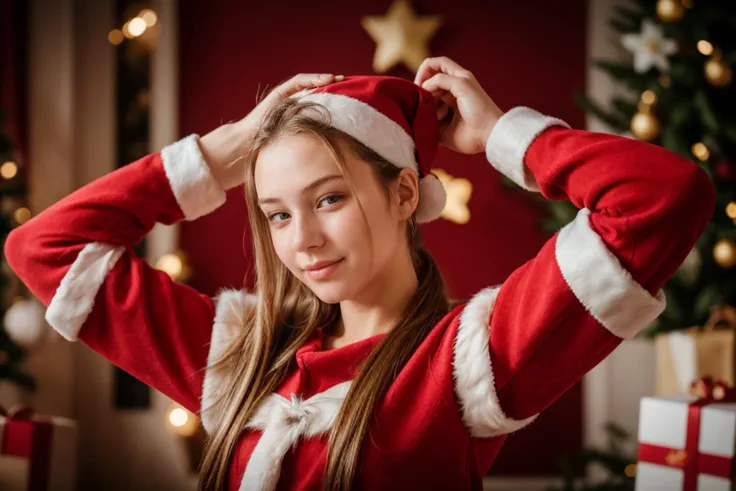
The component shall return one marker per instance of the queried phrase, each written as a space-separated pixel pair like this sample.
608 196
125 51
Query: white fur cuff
601 284
194 187
74 299
475 384
510 139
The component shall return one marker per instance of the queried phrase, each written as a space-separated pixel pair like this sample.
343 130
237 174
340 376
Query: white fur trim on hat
369 126
432 199
388 139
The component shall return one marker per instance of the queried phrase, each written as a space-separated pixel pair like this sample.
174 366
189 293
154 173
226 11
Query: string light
148 16
22 215
705 47
701 151
630 470
182 421
731 210
648 97
116 37
171 264
8 170
134 27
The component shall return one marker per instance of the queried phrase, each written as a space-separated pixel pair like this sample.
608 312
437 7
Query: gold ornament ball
670 10
645 126
724 253
718 72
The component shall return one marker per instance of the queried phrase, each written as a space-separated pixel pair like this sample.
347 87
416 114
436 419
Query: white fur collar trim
473 372
283 422
230 311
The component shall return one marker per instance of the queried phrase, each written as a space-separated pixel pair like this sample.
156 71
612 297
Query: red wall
524 53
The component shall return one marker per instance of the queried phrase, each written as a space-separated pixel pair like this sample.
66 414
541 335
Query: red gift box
704 427
37 453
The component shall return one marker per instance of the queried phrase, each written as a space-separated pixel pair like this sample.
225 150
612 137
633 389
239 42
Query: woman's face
317 228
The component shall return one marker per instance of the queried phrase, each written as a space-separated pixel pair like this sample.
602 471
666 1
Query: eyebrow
309 187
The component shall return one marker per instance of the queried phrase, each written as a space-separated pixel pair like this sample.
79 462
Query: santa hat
395 118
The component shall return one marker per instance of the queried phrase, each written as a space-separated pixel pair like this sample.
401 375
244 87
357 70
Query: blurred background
88 86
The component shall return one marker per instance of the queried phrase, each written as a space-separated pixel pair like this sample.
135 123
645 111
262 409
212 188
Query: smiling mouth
324 270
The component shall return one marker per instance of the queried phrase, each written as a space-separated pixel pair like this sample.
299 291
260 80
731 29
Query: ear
406 193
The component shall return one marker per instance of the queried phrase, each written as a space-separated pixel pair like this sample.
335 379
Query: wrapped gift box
37 453
686 444
691 354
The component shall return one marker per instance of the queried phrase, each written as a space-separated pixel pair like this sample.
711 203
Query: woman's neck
379 306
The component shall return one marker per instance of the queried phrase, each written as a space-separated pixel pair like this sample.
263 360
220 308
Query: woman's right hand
224 148
467 112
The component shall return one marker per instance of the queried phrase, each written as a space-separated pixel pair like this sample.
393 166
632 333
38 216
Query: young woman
347 367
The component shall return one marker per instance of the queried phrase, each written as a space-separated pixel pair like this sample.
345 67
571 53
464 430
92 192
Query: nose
308 233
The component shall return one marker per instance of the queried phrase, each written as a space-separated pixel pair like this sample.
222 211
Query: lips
320 265
322 269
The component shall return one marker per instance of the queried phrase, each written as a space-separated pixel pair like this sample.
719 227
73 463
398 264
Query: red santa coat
485 370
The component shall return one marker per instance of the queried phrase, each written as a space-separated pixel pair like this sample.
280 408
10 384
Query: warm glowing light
148 16
178 417
182 421
116 37
137 26
648 97
630 470
8 170
171 264
701 151
731 210
22 215
705 47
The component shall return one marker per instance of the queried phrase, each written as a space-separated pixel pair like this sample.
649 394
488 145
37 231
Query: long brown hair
287 313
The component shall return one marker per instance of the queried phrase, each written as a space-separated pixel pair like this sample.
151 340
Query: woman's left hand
468 114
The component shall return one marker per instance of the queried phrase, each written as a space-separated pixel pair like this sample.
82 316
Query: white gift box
37 453
664 456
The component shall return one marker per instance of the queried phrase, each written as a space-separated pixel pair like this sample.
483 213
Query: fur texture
432 199
509 140
74 299
369 126
473 373
283 421
387 138
194 187
230 311
579 252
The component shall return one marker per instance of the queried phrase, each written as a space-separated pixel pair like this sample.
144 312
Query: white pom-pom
25 324
432 199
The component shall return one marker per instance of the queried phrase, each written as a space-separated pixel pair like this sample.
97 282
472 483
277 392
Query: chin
329 293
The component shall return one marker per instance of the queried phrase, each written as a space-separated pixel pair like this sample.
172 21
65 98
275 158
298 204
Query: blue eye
332 199
272 218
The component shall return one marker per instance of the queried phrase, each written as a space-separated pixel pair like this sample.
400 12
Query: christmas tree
680 89
13 307
681 97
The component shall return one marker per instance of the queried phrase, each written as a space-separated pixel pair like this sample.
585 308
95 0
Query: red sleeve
522 344
77 258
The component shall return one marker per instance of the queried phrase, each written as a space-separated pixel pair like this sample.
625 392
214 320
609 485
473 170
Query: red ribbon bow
690 460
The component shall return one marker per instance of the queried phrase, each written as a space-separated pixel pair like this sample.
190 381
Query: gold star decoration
400 36
458 195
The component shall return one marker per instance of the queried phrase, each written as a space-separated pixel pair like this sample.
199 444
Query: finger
449 83
440 64
304 81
